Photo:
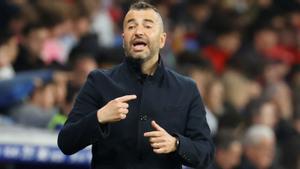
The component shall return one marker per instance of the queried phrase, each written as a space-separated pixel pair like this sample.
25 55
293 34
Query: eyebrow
145 20
130 20
148 20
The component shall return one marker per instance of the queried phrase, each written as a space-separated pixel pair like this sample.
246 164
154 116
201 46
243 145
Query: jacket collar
134 67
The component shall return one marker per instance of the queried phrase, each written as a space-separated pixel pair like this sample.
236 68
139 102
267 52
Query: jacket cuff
182 149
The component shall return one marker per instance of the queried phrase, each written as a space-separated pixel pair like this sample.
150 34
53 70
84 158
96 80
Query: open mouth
139 45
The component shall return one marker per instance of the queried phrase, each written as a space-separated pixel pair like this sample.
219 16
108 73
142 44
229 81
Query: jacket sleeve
82 127
196 148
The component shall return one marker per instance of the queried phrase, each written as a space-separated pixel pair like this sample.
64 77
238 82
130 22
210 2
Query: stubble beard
140 57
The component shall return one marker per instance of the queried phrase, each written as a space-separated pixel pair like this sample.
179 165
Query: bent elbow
65 145
208 159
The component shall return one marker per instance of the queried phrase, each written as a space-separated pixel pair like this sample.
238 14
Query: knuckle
119 104
120 110
122 116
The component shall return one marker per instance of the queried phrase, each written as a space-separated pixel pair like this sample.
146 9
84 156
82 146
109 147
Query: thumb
156 126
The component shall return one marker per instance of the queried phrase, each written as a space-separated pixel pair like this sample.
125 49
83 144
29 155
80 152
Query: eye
130 27
148 26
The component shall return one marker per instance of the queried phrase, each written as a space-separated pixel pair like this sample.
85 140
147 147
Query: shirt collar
134 66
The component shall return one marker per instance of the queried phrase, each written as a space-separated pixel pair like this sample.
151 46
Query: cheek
155 38
126 37
125 40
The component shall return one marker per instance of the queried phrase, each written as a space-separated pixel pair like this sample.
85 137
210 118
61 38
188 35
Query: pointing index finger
126 98
156 126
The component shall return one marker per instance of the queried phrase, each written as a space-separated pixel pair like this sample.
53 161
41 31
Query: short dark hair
225 138
142 5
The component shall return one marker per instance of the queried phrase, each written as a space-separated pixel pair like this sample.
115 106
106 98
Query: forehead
143 14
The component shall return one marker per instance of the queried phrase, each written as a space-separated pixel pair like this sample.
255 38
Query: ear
162 40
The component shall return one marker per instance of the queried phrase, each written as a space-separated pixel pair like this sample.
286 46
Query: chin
138 56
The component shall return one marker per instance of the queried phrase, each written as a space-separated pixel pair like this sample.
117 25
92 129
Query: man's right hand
115 110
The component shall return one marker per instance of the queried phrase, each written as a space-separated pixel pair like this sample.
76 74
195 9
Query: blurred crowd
243 54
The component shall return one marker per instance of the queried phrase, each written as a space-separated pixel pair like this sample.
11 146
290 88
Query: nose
139 31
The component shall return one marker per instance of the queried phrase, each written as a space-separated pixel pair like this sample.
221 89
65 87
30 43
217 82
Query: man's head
228 149
259 144
143 32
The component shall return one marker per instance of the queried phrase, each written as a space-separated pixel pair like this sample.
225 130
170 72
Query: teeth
139 44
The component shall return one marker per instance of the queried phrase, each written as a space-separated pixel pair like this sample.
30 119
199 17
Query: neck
147 67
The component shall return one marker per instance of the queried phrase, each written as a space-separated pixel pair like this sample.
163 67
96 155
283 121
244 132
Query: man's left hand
161 141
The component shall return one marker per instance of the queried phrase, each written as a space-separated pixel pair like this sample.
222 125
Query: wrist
176 144
100 116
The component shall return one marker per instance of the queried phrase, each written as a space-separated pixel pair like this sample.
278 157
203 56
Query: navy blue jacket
170 99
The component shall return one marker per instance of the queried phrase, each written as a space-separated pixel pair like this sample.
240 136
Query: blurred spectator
83 62
29 57
8 40
8 52
261 111
17 89
239 89
14 91
259 145
189 25
265 39
280 94
12 17
228 150
195 66
86 45
227 42
81 18
78 26
267 43
213 98
57 17
274 71
59 118
288 42
250 58
102 17
39 109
